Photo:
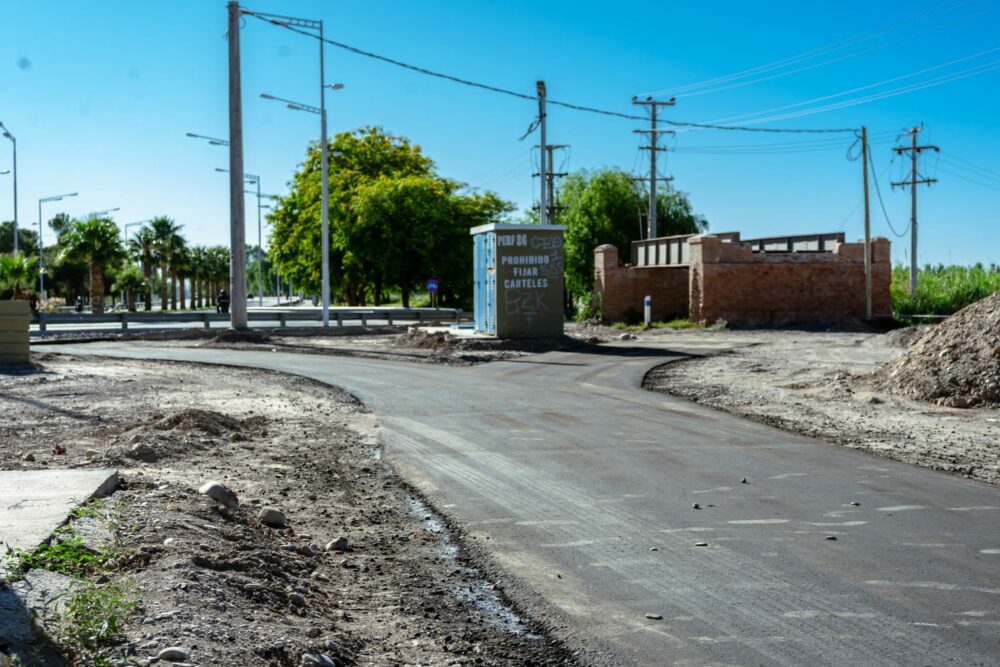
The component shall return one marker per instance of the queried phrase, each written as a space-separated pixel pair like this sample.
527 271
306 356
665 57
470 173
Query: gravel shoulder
821 384
362 572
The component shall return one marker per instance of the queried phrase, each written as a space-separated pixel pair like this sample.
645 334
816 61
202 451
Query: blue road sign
432 285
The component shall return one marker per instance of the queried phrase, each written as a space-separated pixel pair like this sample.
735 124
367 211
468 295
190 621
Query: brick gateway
782 281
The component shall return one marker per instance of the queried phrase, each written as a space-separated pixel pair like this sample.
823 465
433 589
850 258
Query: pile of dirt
232 336
955 364
417 338
906 336
167 436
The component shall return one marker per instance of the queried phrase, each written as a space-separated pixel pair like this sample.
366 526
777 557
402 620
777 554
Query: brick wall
730 282
624 287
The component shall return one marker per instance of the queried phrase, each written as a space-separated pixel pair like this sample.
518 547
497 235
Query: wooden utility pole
653 149
543 207
915 180
237 240
868 226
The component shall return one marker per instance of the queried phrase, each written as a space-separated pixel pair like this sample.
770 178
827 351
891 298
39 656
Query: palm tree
143 248
165 231
181 267
218 273
176 252
17 273
97 242
197 265
130 281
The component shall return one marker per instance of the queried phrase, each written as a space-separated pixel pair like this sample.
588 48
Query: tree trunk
182 279
378 291
406 295
131 300
173 290
96 288
163 286
147 272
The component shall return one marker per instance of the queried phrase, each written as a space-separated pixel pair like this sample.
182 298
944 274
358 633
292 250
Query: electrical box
518 273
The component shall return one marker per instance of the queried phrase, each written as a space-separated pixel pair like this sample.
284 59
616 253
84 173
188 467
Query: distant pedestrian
222 302
79 304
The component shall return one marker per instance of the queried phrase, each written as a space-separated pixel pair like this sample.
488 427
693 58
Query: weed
94 619
942 290
676 324
92 510
70 557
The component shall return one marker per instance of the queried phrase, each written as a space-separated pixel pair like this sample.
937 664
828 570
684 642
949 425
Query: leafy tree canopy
607 206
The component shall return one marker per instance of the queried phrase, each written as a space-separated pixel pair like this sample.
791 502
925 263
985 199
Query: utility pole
10 136
915 180
543 206
868 227
237 233
549 183
653 149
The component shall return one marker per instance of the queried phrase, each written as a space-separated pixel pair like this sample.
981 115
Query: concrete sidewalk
33 503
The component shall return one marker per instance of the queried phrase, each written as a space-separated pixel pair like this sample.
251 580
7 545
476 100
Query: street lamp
41 246
97 214
10 136
211 140
324 168
251 178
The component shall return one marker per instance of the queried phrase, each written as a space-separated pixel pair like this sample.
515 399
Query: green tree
607 206
142 247
97 242
17 273
27 239
166 232
131 281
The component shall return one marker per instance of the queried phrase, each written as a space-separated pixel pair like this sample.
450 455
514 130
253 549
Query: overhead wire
813 53
878 191
525 96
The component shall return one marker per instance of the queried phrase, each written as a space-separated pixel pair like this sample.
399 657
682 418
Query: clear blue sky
100 95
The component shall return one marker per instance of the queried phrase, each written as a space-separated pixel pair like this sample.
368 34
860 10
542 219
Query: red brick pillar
607 281
702 250
881 277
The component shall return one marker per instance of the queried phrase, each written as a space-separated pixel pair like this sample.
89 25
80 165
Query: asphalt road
581 485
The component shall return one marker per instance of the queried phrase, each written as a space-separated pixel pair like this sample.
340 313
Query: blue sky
100 95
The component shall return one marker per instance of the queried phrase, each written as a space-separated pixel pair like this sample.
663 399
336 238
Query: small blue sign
432 285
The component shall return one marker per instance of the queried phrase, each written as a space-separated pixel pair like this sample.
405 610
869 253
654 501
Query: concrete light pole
41 245
10 136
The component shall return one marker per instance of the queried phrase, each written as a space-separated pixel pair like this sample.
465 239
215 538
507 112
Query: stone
655 617
701 544
28 457
173 654
339 544
297 599
744 481
271 516
831 537
142 450
855 503
92 453
695 506
220 493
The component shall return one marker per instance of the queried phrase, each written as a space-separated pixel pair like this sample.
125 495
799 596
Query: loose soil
430 344
956 363
216 581
822 385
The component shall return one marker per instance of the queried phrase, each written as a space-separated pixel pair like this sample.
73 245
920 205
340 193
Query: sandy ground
818 384
216 581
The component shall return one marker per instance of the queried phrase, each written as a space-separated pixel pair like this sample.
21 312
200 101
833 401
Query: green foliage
18 273
607 206
677 325
97 242
27 238
95 617
942 290
588 306
70 557
393 221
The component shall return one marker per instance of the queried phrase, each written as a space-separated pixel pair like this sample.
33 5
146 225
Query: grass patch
677 324
942 290
70 557
94 620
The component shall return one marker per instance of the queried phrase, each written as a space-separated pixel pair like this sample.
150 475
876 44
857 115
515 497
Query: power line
965 165
824 63
524 96
881 203
813 53
970 180
861 88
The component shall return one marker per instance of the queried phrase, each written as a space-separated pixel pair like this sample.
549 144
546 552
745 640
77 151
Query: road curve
582 486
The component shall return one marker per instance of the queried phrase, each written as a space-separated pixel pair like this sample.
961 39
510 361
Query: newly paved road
584 485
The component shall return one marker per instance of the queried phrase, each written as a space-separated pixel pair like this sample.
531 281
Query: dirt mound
232 336
418 338
956 363
165 436
906 336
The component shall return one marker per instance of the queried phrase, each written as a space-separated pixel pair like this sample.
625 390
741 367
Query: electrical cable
970 180
807 55
878 190
965 165
524 96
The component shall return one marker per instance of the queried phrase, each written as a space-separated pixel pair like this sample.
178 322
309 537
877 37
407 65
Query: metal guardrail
391 315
